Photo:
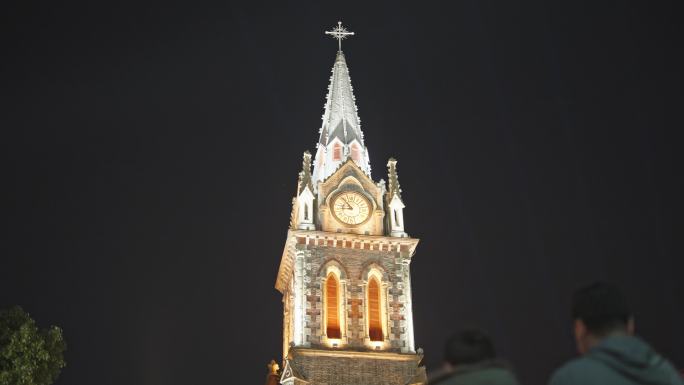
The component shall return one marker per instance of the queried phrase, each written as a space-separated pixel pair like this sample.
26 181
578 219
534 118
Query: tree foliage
28 355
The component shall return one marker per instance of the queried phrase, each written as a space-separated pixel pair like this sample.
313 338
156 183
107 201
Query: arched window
396 218
332 307
374 312
355 153
337 151
306 212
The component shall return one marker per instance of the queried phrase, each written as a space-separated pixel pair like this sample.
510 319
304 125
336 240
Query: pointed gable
350 177
346 169
290 374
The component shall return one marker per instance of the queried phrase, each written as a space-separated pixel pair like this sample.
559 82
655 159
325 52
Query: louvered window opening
332 307
355 153
374 316
337 152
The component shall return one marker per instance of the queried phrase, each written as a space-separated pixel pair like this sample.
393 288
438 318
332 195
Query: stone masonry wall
341 370
355 263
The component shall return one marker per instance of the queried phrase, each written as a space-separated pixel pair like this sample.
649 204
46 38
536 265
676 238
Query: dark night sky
152 153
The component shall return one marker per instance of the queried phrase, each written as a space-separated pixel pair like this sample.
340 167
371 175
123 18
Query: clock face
351 208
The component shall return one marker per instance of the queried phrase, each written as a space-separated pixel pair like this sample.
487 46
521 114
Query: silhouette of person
610 352
470 359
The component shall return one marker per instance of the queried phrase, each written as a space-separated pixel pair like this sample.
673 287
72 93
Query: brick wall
355 264
355 370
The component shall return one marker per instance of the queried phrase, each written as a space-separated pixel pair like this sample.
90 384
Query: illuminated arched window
355 153
332 307
374 311
337 151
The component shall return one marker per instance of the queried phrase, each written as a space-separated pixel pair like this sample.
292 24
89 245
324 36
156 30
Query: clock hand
348 205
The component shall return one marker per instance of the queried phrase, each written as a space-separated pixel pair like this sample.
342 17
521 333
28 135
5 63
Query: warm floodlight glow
332 307
374 315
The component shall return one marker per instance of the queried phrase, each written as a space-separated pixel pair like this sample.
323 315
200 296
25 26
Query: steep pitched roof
340 119
340 122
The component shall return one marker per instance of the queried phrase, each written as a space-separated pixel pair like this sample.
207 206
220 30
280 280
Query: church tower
344 272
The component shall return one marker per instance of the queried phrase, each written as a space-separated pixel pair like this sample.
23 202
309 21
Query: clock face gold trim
351 208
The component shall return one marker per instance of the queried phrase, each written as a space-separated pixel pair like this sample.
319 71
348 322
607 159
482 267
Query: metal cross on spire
340 33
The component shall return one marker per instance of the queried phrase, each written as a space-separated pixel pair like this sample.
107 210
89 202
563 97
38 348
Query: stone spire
393 185
395 219
340 133
340 119
305 174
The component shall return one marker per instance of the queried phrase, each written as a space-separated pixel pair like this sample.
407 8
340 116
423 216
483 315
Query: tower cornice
392 356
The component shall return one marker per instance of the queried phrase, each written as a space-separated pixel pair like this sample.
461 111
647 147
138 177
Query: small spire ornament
340 33
393 177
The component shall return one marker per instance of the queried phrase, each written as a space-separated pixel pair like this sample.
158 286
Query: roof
340 122
340 119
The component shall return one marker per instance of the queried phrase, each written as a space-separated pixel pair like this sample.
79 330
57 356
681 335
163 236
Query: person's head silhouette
599 310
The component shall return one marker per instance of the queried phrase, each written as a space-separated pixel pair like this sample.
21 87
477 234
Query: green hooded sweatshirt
483 373
618 360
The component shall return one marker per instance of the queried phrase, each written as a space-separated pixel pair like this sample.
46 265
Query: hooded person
610 352
470 359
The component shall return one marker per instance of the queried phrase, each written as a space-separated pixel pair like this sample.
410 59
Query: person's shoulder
505 376
488 375
577 371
